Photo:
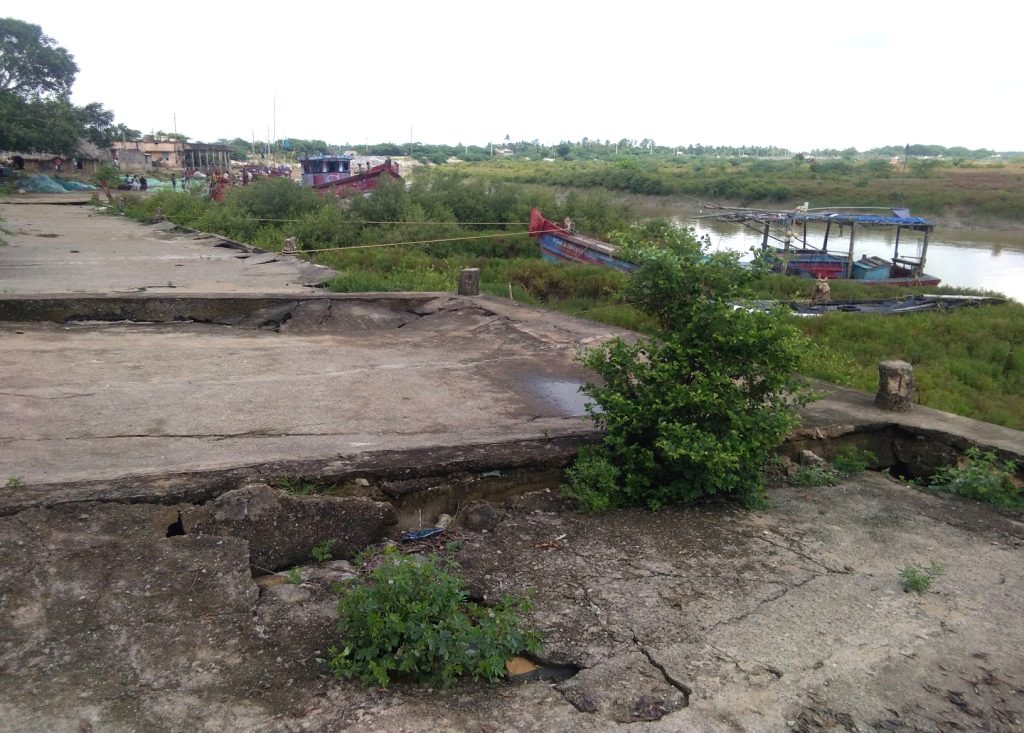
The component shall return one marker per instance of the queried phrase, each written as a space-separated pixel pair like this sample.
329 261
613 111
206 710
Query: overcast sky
800 75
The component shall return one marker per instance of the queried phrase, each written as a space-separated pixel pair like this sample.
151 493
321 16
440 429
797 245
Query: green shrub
410 617
919 578
592 481
698 409
982 479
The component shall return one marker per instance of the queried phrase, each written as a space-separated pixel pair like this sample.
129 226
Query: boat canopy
326 164
898 218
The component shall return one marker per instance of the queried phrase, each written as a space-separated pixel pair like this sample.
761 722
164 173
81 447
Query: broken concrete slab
625 689
282 530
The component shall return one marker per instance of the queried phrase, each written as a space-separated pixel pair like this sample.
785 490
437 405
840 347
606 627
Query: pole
903 177
849 264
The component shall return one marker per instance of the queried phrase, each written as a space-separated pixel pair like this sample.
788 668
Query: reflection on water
973 258
563 394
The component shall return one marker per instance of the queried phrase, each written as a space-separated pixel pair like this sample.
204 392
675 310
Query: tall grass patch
968 361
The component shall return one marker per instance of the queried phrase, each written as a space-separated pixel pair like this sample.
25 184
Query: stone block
895 386
282 529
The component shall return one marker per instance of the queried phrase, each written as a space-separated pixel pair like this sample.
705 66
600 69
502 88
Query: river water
989 259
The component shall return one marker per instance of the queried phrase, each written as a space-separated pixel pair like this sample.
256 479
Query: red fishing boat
559 243
333 174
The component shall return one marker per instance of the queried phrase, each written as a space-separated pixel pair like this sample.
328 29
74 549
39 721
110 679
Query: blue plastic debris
421 534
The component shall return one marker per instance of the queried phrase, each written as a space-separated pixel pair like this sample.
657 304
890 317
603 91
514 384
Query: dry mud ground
686 620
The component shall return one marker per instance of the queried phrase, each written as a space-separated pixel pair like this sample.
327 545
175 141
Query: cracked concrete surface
707 619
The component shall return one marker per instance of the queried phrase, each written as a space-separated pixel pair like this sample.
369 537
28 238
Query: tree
97 123
121 131
32 64
698 409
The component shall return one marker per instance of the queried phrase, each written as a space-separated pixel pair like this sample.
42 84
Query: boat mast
849 264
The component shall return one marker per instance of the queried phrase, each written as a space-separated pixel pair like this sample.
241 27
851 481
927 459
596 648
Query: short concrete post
289 247
469 281
895 386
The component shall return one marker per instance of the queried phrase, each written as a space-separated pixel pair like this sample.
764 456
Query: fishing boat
888 307
333 174
798 257
560 243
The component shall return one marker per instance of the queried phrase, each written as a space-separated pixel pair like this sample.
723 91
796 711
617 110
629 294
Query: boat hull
558 249
814 264
559 244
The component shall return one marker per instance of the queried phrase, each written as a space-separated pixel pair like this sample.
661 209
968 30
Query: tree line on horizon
36 76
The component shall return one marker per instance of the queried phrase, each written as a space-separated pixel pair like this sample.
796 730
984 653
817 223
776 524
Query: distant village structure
147 154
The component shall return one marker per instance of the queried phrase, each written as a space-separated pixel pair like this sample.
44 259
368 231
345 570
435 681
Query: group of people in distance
134 183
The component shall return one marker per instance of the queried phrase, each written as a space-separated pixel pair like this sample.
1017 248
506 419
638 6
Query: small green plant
983 479
591 481
851 461
15 482
919 578
410 617
323 550
294 576
814 476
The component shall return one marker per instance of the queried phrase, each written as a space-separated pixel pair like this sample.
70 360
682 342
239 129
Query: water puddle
562 394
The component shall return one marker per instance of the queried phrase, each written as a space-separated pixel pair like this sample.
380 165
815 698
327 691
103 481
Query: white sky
800 75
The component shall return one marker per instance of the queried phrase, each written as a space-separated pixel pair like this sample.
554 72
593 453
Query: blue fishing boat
559 243
798 257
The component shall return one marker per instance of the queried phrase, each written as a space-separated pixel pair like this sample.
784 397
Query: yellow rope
399 244
368 221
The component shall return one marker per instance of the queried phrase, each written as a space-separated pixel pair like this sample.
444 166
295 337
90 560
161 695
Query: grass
968 361
808 476
919 578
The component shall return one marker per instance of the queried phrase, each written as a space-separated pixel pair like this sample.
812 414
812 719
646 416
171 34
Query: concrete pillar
469 281
895 386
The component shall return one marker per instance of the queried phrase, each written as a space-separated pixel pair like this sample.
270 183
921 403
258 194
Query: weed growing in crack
919 578
984 478
15 482
294 576
852 461
410 617
323 550
296 486
808 476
